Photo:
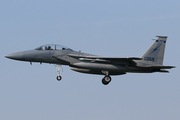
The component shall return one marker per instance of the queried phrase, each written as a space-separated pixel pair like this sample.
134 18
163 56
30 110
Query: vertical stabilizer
155 54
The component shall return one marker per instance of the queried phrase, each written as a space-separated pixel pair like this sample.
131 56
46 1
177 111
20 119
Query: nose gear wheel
58 78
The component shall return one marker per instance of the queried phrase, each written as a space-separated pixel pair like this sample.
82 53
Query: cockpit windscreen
52 47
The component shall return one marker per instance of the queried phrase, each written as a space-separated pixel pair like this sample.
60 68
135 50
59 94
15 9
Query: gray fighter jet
151 61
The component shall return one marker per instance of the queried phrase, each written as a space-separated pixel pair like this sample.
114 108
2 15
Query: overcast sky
115 28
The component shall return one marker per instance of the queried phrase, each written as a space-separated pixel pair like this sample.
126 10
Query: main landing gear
107 79
58 68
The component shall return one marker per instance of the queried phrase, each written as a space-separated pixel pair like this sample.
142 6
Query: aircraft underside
111 72
107 74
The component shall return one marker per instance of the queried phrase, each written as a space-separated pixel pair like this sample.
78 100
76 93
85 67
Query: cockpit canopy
52 47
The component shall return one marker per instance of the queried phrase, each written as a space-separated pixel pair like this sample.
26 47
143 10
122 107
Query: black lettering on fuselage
149 59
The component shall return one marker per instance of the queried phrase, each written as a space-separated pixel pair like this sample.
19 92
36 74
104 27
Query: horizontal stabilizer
161 67
164 71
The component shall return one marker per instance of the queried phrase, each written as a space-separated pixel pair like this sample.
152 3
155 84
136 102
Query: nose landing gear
58 68
58 78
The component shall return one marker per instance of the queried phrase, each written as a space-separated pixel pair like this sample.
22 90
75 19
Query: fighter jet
151 61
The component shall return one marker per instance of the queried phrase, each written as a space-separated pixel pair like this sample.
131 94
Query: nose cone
16 56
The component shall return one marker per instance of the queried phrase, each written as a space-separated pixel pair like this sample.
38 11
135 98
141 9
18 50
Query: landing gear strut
106 80
58 68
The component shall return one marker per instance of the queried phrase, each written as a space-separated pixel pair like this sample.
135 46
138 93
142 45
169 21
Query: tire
58 78
106 80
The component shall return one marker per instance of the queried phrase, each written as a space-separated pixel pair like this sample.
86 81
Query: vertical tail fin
155 54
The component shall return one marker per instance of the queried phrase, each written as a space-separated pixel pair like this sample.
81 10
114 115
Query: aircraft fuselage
151 61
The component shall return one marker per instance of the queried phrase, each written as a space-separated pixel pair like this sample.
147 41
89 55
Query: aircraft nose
16 56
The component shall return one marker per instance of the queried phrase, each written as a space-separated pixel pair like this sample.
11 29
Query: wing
112 60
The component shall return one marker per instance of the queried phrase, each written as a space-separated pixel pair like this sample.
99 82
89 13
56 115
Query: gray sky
102 27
